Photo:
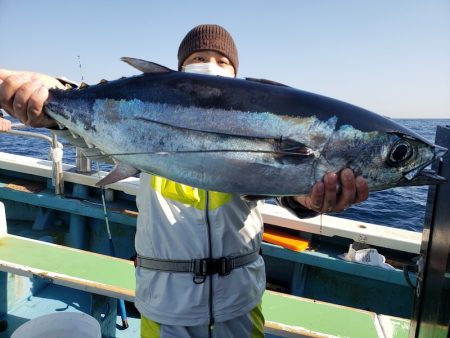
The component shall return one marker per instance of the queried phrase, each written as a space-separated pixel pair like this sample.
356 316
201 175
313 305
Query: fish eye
400 152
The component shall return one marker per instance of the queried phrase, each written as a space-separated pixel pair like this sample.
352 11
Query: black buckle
225 266
210 266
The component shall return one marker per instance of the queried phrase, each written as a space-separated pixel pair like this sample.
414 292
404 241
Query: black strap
199 267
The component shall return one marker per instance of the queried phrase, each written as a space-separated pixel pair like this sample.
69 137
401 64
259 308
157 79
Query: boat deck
53 298
66 279
304 318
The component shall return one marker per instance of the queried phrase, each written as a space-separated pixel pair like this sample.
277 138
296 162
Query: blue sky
391 57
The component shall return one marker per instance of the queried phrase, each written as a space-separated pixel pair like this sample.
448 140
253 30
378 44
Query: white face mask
209 68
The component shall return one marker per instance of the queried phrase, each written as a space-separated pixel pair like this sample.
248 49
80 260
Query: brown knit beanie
208 37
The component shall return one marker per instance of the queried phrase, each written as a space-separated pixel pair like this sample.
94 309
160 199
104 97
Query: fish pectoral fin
292 147
293 152
146 67
119 172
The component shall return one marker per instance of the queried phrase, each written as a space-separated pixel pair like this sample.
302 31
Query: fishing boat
57 227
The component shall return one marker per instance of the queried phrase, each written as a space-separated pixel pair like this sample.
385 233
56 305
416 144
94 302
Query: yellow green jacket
179 222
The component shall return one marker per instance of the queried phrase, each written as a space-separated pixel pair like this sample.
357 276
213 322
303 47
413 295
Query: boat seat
291 316
286 316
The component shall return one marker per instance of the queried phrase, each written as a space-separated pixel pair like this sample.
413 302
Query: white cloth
366 256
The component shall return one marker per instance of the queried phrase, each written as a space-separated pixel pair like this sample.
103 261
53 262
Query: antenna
81 71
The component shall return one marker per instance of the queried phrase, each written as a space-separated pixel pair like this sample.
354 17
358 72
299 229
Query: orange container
285 240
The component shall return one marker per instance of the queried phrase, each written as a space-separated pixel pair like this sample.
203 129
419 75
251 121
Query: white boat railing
56 153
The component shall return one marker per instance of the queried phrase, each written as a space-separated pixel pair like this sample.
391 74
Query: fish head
385 159
72 111
396 159
409 158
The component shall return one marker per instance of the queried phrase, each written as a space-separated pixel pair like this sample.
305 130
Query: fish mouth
423 176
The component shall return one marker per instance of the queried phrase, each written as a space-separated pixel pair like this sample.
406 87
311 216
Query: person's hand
325 197
5 124
22 95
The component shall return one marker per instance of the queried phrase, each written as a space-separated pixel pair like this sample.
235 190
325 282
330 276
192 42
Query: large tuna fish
252 137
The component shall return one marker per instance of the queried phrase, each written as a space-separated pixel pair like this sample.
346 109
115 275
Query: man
5 124
198 272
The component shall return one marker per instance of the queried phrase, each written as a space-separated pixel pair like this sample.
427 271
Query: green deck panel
319 317
57 259
394 327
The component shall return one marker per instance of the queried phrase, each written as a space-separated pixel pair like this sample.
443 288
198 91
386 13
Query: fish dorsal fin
146 67
265 81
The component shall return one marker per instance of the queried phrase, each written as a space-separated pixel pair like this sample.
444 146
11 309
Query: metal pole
56 154
431 318
82 162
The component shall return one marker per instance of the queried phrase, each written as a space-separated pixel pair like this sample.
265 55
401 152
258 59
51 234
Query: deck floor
56 298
